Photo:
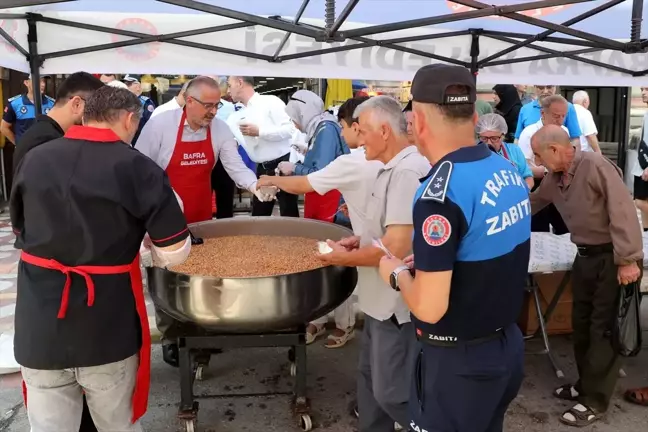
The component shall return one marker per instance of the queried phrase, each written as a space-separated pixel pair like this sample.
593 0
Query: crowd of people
442 261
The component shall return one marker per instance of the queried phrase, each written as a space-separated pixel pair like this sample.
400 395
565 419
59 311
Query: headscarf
509 98
509 107
307 110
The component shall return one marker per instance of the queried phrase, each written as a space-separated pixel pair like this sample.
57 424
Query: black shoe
170 355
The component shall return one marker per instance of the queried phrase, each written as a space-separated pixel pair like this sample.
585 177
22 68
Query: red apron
142 383
322 207
190 171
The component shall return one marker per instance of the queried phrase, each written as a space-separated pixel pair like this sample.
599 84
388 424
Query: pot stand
191 348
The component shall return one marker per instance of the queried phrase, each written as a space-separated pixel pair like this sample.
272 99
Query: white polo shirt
587 126
268 113
158 139
525 139
167 106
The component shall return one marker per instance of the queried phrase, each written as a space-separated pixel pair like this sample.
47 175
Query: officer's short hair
346 110
106 105
386 108
550 100
80 84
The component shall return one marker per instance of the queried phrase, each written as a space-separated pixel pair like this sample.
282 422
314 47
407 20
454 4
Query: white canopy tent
600 42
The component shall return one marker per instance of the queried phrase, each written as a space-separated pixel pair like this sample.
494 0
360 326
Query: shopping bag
626 333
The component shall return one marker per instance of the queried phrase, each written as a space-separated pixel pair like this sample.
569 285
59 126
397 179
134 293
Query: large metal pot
233 305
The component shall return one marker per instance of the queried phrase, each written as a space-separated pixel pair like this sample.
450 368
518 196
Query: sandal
314 331
637 396
579 416
335 341
567 392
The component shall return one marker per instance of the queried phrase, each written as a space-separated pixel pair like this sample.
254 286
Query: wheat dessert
251 256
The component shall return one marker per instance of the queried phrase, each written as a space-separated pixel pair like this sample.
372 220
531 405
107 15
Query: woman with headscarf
324 145
508 105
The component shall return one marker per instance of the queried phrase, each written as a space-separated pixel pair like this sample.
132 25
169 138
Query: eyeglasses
208 106
492 139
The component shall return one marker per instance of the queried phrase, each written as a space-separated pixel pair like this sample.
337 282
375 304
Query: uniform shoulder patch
437 185
49 98
151 108
14 98
436 230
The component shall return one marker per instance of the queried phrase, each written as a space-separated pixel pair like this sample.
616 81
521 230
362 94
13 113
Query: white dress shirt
525 139
268 113
158 140
168 106
587 126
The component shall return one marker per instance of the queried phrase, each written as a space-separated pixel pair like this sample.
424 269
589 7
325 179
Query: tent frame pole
364 42
606 42
7 4
141 38
573 55
281 46
541 37
590 42
241 16
637 18
331 32
474 53
479 12
35 61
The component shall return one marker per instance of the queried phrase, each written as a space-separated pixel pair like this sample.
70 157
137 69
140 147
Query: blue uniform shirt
21 113
530 114
326 145
147 110
513 153
472 215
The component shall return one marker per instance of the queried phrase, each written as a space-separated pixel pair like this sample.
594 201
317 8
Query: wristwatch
393 277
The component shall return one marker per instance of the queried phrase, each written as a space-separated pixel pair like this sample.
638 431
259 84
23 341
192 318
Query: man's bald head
552 148
550 134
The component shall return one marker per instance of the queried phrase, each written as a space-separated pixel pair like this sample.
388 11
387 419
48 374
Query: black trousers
287 202
224 187
595 290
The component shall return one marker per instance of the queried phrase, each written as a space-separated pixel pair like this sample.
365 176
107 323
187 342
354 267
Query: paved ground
331 383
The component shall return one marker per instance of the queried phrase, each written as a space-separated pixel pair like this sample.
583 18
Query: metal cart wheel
305 422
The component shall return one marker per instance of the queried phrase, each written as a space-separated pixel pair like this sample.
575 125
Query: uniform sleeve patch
436 230
150 108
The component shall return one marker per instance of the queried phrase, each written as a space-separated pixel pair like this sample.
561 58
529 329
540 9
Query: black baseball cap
431 82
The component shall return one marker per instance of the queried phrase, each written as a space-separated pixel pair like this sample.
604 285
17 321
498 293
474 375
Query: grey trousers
55 397
387 356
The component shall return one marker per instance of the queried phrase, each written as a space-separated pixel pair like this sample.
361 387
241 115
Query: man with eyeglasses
531 112
265 133
554 110
186 143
